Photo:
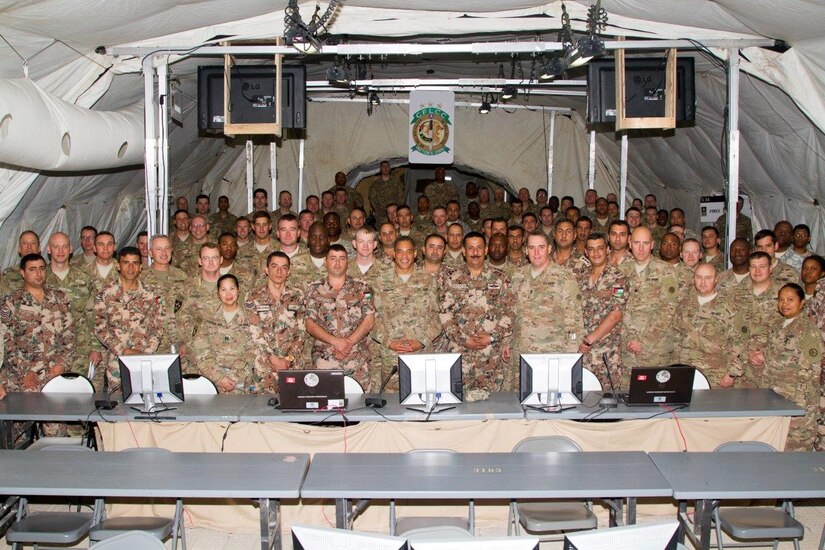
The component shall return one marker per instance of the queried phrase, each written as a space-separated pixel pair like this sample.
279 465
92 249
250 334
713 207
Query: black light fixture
338 75
579 52
508 92
374 99
303 36
553 68
485 105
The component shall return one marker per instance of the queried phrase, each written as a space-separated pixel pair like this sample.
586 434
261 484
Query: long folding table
265 478
706 477
610 476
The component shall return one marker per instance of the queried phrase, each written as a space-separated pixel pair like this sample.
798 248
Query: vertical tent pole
623 178
250 174
550 140
162 198
591 166
301 144
150 141
733 145
273 175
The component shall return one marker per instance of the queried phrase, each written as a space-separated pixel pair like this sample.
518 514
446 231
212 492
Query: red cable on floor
678 425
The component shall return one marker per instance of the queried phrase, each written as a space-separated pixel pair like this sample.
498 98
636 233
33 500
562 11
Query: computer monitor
491 543
151 380
550 379
429 379
652 536
305 537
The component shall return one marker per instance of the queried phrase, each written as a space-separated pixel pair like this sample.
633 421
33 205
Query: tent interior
58 73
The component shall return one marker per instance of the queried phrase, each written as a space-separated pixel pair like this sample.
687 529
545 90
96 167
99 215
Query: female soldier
813 267
222 344
790 365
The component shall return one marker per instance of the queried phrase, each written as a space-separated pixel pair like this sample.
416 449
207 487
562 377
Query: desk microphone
609 400
377 402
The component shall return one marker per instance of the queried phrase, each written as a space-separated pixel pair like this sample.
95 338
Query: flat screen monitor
492 543
305 537
429 379
653 536
153 380
550 379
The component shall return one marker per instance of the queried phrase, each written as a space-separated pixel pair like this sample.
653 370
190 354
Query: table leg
270 524
342 511
6 434
705 524
615 510
631 511
682 517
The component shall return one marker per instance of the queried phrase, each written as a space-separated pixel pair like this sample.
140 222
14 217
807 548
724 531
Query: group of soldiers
243 297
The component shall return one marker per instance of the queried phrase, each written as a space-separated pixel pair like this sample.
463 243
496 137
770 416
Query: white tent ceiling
782 112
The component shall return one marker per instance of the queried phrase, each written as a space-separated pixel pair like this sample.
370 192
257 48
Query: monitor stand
431 405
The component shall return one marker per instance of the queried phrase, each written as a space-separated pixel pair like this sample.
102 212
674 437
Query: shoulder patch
813 352
671 289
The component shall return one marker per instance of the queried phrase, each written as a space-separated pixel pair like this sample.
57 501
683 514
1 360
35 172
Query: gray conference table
705 477
610 476
265 477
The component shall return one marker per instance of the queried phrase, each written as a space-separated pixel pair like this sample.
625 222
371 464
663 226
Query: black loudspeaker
252 97
645 89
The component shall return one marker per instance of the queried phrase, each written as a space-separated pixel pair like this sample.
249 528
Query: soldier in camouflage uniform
744 228
440 191
365 266
406 310
284 208
181 238
222 221
199 234
228 247
710 247
618 236
651 304
340 315
276 318
354 197
101 272
542 289
305 269
87 247
564 253
262 245
129 317
200 298
386 188
170 283
816 309
222 344
27 243
454 253
39 335
710 333
782 273
739 254
76 285
791 365
497 250
476 309
604 297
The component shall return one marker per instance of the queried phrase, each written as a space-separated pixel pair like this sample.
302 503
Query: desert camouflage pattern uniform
468 306
339 312
277 328
182 250
744 228
710 336
199 299
651 305
727 281
403 310
717 261
276 217
170 285
760 314
98 283
11 276
440 194
220 224
816 309
383 193
77 287
684 275
375 271
453 261
224 348
782 273
79 259
793 370
127 319
599 299
38 336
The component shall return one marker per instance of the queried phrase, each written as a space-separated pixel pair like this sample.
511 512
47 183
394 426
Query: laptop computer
671 385
310 390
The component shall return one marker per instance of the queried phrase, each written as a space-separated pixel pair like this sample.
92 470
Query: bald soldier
651 305
709 331
27 243
406 309
476 308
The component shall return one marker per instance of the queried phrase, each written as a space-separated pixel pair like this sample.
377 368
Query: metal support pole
591 166
550 140
250 174
162 199
301 145
150 141
733 145
623 178
273 175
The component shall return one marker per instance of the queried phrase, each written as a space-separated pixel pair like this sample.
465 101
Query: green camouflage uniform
440 193
816 309
77 287
220 224
383 193
744 228
171 286
224 348
199 299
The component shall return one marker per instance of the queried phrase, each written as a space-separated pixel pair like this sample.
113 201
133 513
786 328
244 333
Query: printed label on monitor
312 405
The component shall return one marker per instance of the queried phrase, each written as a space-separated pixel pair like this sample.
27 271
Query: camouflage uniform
375 271
710 337
549 318
684 275
727 281
793 370
354 197
38 336
717 261
468 306
339 312
575 263
276 214
189 261
651 305
404 309
11 276
171 286
199 299
98 283
383 193
500 210
182 249
599 299
224 348
744 228
452 261
440 193
247 279
80 260
277 328
816 309
220 224
423 223
127 319
77 287
782 273
474 225
302 271
598 226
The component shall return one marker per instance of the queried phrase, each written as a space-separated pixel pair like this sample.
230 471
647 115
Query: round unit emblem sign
662 376
311 380
430 131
